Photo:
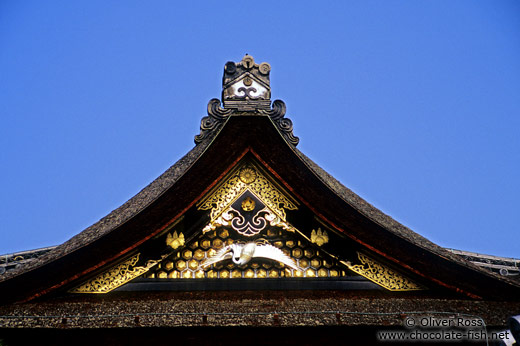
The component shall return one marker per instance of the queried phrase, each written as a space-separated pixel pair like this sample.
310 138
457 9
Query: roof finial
246 85
246 90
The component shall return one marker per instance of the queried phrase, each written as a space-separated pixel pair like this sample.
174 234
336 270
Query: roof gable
249 234
304 205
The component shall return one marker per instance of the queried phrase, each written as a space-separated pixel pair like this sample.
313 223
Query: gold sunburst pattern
247 175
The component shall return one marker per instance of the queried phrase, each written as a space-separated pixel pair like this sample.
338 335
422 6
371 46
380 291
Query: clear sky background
414 105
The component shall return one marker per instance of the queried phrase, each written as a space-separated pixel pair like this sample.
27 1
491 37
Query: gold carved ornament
114 277
319 237
382 275
248 177
175 240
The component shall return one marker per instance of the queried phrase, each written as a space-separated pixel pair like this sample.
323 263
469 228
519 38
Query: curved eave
113 236
182 185
410 250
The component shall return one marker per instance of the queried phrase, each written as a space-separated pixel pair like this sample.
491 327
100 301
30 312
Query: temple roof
235 130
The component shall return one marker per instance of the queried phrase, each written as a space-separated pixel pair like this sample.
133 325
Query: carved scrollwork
232 218
382 275
249 227
246 90
284 125
115 276
216 117
226 194
248 202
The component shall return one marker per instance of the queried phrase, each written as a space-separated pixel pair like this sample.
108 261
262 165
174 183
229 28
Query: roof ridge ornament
246 90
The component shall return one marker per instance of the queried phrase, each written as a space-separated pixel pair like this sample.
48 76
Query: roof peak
246 90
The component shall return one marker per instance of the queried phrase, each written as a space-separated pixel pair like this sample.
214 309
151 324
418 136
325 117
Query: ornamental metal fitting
246 90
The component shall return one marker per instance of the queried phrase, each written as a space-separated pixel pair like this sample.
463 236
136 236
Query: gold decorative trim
382 275
247 177
114 277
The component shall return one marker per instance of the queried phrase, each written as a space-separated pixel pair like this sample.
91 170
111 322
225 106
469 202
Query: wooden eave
185 183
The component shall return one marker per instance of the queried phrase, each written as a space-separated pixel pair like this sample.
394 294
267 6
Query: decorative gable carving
382 275
248 202
116 276
248 236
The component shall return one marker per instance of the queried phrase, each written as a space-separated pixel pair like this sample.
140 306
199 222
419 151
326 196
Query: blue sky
414 105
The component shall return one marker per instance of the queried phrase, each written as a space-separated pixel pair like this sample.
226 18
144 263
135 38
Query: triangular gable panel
249 235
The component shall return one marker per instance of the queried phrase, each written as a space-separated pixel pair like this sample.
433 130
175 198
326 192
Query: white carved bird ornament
241 254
